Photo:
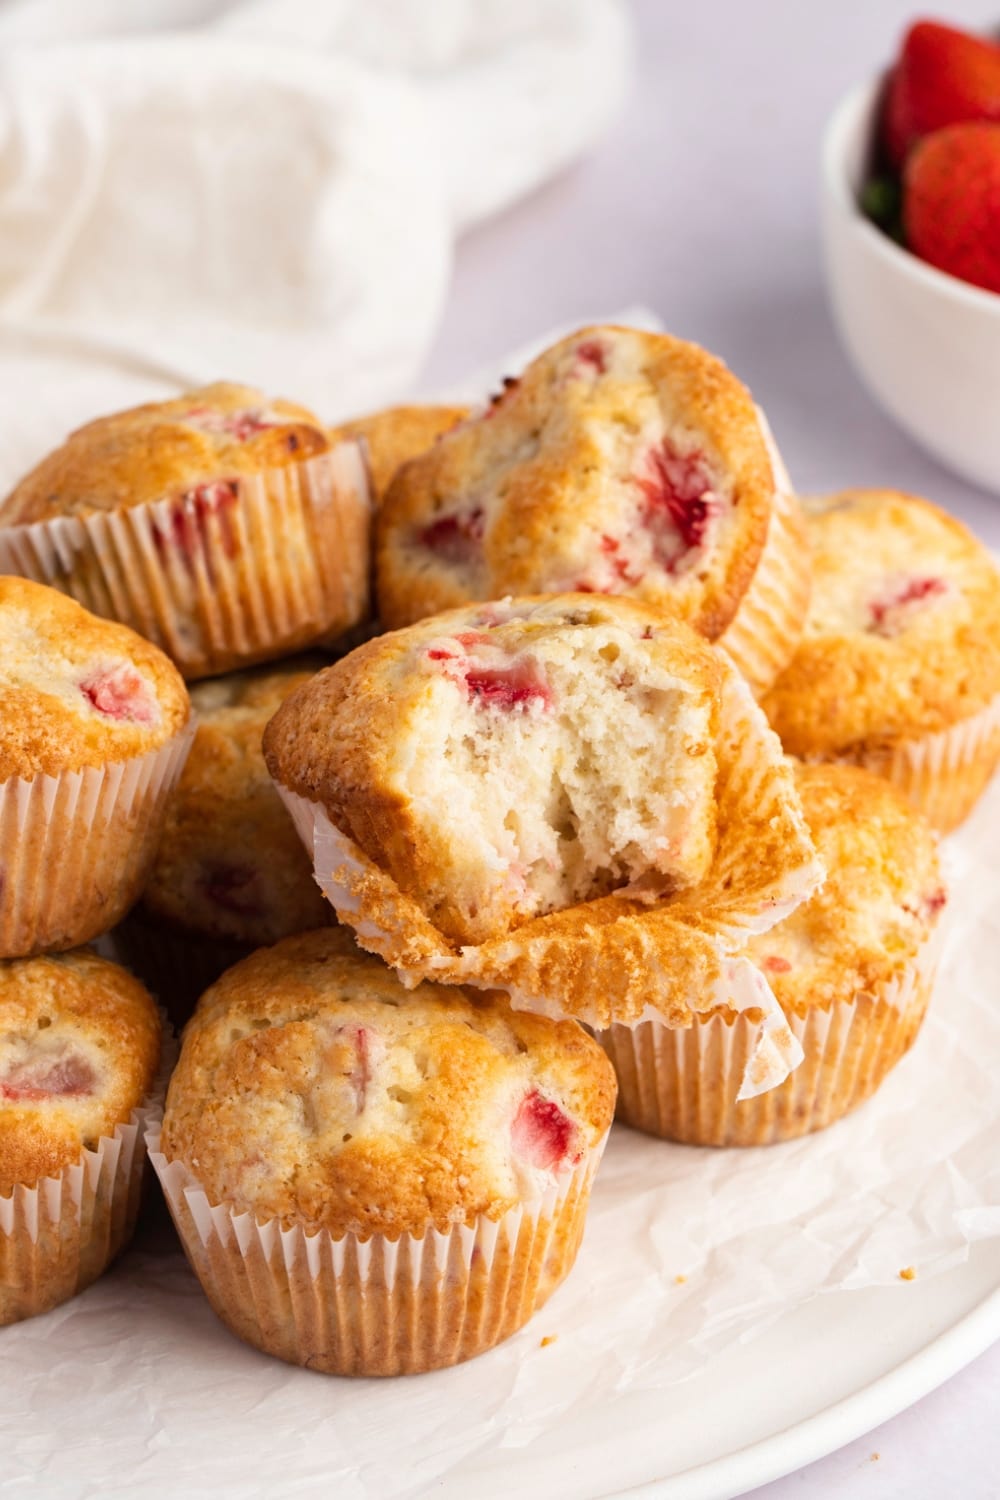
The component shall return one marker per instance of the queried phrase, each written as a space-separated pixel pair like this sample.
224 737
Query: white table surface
702 204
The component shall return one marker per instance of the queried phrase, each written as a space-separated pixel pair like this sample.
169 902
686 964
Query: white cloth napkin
265 190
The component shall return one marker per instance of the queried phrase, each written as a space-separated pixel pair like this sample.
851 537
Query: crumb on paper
549 1338
679 1280
908 1273
874 1458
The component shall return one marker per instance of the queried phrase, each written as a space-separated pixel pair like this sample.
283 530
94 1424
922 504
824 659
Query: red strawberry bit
467 639
935 902
775 964
542 1134
67 1077
593 353
514 687
190 517
679 503
234 889
620 566
120 693
889 615
456 538
360 1040
242 425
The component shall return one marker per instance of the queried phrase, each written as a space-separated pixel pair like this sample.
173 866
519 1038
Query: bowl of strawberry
911 229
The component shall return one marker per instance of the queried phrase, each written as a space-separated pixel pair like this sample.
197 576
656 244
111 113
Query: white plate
840 1366
731 1269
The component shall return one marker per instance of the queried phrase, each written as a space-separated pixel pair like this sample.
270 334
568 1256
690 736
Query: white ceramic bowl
926 345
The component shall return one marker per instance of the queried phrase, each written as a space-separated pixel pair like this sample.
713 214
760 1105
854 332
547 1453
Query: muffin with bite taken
422 1160
574 799
224 525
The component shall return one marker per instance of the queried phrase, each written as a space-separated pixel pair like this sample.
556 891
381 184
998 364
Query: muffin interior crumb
572 767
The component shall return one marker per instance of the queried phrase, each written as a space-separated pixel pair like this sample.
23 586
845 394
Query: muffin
230 873
224 526
369 1182
898 669
507 763
620 462
80 1043
572 799
93 735
396 435
852 969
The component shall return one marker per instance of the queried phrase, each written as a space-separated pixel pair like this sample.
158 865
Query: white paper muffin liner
616 959
75 848
691 1085
283 565
377 1306
61 1234
763 634
942 774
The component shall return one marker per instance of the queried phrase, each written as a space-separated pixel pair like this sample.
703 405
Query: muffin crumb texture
517 759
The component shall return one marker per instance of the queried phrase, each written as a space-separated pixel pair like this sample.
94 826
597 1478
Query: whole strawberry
943 77
951 202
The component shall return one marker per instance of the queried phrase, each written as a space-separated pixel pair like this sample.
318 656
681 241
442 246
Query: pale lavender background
703 205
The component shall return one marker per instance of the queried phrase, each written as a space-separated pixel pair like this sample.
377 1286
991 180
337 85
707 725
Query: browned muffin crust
396 435
230 864
79 1050
77 691
903 633
165 448
882 896
619 462
314 1089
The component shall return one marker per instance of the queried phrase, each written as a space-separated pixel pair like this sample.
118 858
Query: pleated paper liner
60 1235
175 966
377 1306
944 774
763 635
75 848
615 959
684 1085
239 571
